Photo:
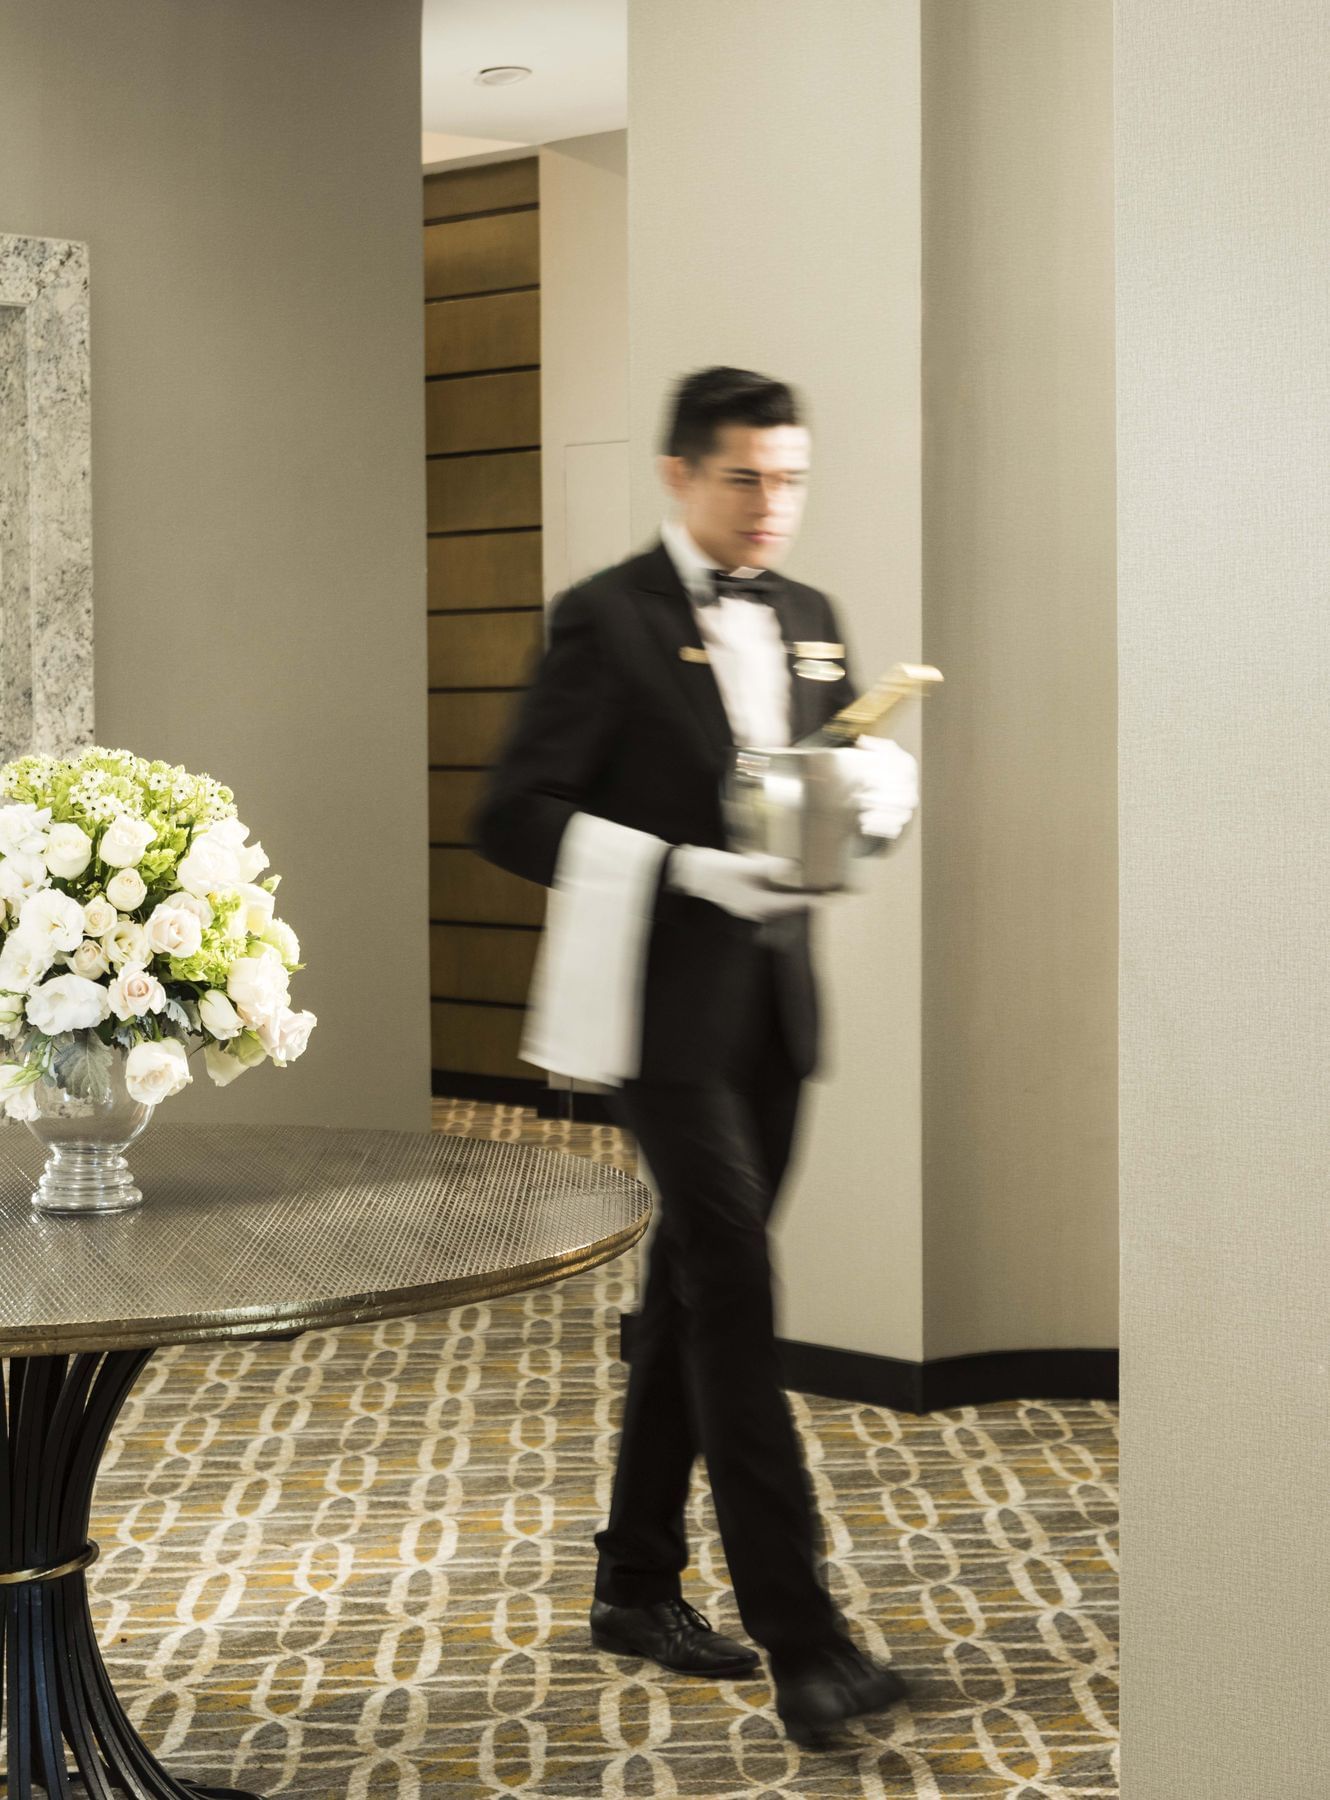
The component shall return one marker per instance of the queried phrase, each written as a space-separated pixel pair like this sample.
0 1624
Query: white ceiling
577 51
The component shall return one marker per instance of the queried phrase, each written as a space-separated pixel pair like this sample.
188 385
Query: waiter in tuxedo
674 972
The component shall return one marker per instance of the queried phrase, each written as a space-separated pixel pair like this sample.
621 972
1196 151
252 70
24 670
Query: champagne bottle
866 714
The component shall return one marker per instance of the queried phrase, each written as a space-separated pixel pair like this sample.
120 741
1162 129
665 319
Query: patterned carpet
357 1564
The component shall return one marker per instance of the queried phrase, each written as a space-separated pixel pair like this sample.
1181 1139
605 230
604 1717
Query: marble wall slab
45 498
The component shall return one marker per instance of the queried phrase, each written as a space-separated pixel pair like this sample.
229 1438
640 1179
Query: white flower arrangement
132 915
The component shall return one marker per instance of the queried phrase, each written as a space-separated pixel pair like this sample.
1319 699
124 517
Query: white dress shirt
744 644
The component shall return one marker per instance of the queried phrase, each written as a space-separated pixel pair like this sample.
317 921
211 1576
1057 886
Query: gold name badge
816 662
692 653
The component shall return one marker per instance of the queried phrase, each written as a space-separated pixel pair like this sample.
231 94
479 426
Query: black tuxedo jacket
618 723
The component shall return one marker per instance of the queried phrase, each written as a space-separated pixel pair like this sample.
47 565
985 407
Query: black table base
56 1699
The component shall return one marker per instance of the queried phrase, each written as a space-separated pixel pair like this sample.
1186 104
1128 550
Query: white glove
883 783
738 884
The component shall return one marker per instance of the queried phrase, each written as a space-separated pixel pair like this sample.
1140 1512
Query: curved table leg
56 1699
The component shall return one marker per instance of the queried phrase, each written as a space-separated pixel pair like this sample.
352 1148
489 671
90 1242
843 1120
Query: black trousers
704 1373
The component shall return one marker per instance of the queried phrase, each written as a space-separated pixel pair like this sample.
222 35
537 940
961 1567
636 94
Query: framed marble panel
45 498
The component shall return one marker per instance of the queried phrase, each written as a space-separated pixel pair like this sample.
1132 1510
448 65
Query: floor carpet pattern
356 1566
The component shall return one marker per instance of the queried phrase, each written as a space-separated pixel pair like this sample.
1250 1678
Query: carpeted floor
358 1564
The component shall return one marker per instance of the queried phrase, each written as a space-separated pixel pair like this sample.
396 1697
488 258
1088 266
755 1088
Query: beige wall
584 355
957 1189
1020 843
1224 657
248 180
774 223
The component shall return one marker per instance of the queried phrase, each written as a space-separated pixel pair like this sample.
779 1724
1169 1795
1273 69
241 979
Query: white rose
11 1015
155 1071
98 916
23 828
250 857
283 940
67 1003
68 851
250 862
20 877
236 928
135 992
125 840
174 932
90 960
207 866
258 986
219 857
258 907
23 962
218 1016
194 903
285 1036
126 890
19 1102
55 916
222 1065
126 942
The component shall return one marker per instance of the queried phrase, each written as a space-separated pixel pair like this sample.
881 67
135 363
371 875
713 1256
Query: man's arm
564 727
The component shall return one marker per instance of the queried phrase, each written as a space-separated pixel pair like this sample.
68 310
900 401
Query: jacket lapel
805 713
671 618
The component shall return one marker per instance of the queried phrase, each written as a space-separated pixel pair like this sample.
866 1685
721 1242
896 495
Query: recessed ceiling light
504 75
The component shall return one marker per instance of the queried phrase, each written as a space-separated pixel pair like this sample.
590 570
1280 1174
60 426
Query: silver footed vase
87 1119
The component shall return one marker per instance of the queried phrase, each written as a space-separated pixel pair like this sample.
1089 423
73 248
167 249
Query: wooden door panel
467 730
466 889
479 962
475 256
453 797
498 568
489 331
482 412
484 650
487 188
484 493
479 1040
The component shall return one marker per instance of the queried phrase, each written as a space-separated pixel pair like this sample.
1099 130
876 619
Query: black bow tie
760 587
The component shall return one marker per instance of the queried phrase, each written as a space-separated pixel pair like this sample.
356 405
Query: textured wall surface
773 222
247 180
584 355
1224 652
1020 845
45 498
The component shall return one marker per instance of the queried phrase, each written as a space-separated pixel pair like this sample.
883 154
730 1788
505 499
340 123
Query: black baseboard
514 1090
943 1382
499 1090
583 1109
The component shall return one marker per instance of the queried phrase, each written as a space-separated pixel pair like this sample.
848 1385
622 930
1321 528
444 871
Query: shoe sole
829 1734
721 1671
815 1737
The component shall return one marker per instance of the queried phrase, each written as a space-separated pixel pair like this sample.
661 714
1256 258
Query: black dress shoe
842 1684
671 1633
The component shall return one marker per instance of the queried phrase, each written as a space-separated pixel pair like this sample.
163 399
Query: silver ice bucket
794 804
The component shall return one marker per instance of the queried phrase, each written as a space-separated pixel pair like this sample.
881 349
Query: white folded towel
584 1016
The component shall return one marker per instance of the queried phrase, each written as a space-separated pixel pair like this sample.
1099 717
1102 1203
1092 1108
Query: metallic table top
251 1228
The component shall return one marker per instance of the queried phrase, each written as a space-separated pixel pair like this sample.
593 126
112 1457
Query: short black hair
710 398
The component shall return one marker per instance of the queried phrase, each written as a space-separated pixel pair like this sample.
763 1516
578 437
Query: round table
244 1232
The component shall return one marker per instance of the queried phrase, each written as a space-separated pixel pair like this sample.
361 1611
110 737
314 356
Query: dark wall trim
943 1382
580 1109
513 1090
500 1090
484 212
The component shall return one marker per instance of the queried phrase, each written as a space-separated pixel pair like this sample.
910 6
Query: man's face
742 503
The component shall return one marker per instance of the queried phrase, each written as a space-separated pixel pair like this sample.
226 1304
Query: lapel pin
693 653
